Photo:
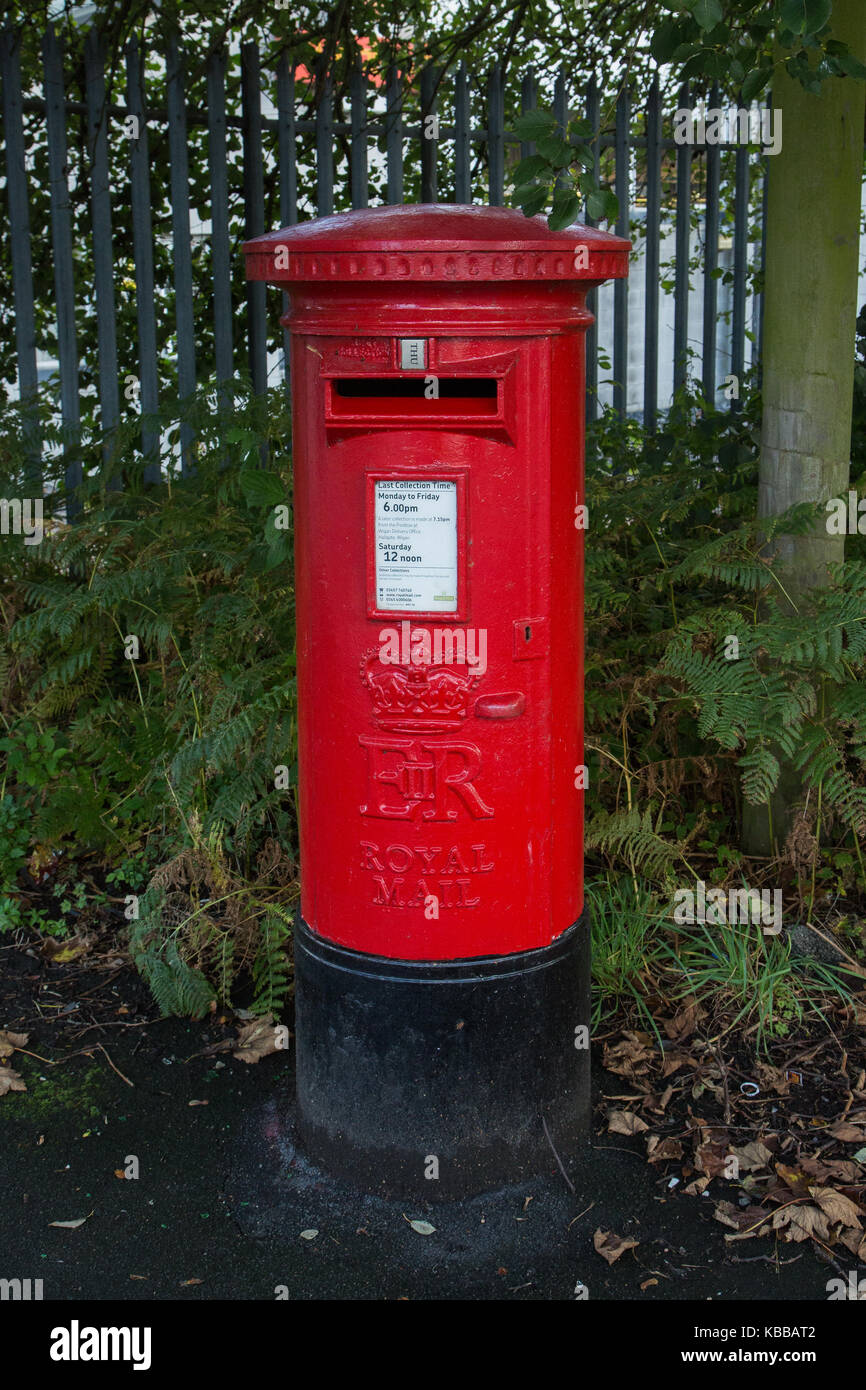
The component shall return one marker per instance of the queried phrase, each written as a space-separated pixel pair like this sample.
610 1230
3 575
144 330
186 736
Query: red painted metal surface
439 572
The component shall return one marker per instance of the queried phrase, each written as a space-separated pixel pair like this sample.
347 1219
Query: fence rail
310 162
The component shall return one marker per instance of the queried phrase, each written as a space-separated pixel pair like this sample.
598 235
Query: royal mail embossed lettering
411 779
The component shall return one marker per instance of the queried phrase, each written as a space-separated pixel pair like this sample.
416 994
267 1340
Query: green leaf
668 36
698 66
686 51
529 168
555 150
261 488
535 125
566 206
583 155
581 129
532 201
523 191
852 65
805 16
602 205
708 13
755 83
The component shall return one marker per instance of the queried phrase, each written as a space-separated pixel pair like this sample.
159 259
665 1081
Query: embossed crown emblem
418 698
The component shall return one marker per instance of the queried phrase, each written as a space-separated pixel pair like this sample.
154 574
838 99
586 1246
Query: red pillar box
442 957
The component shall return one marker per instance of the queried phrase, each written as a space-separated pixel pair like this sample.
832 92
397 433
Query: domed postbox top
435 242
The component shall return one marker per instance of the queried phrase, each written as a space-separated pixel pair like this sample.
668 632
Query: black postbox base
443 1078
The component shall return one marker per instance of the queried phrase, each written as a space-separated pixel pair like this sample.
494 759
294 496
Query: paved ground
222 1198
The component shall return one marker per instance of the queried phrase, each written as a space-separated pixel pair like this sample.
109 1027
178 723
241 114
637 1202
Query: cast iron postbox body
442 958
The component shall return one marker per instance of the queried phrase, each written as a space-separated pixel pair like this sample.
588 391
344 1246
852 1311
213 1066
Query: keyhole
527 633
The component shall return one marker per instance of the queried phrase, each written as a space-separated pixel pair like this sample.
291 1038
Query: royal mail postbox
442 958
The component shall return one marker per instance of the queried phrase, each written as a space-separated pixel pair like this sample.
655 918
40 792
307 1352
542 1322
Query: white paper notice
416 545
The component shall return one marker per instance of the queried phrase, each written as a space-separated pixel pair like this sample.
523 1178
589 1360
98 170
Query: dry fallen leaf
674 1060
801 1222
772 1079
610 1246
855 1241
752 1156
631 1057
849 1134
695 1188
747 1222
423 1228
256 1039
712 1159
844 1170
657 1104
59 952
625 1122
660 1150
10 1081
685 1022
795 1179
9 1042
198 1102
837 1206
184 1283
69 1225
309 1234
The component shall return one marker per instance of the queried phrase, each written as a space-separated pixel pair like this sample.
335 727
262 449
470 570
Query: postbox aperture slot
416 397
452 387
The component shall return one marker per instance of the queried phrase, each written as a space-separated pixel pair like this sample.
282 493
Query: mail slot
442 959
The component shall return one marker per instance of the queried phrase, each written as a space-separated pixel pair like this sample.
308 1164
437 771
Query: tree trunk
810 311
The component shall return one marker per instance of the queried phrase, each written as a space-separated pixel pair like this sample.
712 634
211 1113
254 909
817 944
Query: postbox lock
413 354
531 638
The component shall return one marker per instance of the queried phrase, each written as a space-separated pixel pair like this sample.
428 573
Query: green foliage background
162 769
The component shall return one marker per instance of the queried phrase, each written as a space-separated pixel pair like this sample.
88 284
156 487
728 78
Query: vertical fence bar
652 257
682 245
142 252
462 134
560 111
593 115
254 210
286 138
620 293
219 214
429 142
711 260
103 263
495 138
358 147
325 148
181 241
64 278
528 102
19 249
394 135
741 252
287 156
